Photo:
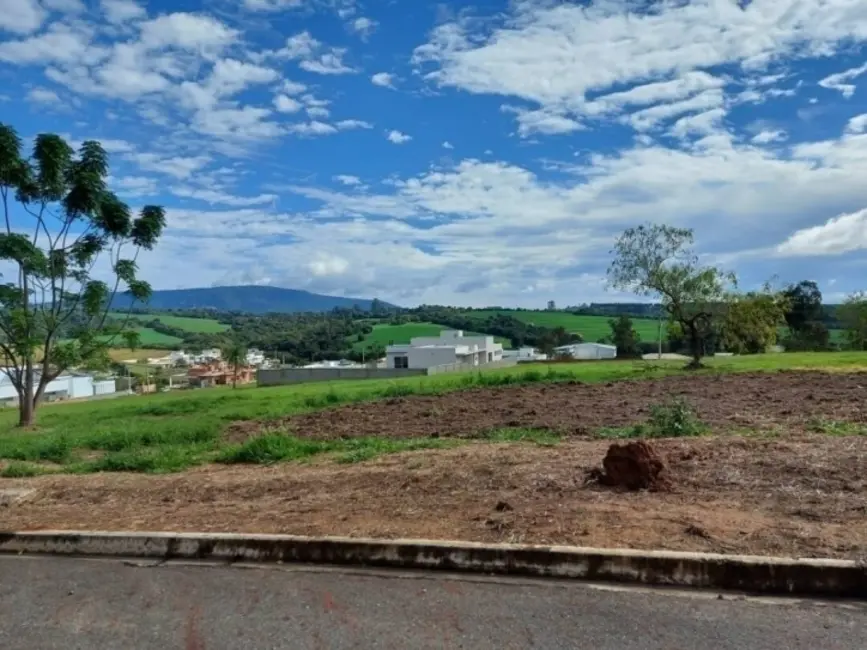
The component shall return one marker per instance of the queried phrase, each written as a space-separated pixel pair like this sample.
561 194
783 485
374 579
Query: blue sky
440 152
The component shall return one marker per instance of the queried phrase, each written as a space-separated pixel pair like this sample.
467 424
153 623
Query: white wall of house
450 347
64 387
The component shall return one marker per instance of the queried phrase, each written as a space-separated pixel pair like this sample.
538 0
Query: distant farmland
385 334
591 328
195 325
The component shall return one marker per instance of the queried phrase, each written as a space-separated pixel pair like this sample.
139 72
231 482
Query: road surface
48 603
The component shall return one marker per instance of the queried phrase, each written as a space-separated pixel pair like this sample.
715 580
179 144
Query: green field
195 325
172 431
591 328
384 334
150 338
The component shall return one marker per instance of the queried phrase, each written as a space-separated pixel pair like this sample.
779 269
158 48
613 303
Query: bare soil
777 491
725 402
803 496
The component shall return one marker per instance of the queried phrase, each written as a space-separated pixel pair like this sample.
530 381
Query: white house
255 357
525 354
450 347
588 351
66 386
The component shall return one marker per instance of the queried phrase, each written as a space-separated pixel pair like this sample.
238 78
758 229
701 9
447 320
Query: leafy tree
752 320
624 336
60 219
235 354
804 317
853 316
656 260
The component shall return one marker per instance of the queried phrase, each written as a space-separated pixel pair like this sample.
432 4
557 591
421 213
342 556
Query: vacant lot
780 465
591 328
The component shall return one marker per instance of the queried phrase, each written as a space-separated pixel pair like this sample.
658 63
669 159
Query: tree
60 219
552 306
235 354
656 260
752 320
853 316
624 336
804 317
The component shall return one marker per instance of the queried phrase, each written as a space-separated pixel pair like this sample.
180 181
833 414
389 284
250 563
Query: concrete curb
769 575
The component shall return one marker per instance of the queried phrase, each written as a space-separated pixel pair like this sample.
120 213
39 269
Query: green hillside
591 328
150 338
195 325
385 334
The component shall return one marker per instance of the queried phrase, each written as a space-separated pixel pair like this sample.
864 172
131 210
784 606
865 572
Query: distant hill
250 299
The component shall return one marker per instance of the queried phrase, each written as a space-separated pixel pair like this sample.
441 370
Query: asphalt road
48 603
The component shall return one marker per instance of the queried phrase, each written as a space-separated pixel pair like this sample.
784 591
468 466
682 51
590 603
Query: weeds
541 437
837 428
21 470
672 419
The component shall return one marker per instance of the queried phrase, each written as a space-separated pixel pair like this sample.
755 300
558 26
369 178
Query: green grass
384 334
195 325
151 338
22 470
170 431
837 428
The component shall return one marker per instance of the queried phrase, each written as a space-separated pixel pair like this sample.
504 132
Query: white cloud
272 5
702 124
43 96
448 145
286 104
21 16
842 234
396 137
134 186
346 125
312 128
542 121
325 265
63 6
292 87
768 136
857 124
181 167
221 198
122 11
58 44
557 55
384 79
327 63
318 112
350 181
196 32
650 117
364 26
838 81
313 55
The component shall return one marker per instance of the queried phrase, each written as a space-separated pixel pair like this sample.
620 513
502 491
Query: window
401 362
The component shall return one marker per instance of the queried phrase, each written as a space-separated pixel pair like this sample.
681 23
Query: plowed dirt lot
742 401
803 497
763 484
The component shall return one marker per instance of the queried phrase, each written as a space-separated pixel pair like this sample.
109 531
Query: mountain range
249 299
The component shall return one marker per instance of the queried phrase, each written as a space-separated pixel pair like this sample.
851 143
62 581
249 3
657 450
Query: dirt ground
726 402
793 496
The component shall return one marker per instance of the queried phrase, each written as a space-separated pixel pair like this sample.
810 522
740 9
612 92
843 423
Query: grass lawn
154 339
196 325
591 328
172 431
385 334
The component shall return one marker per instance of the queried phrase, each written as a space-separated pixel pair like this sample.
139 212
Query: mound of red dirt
634 466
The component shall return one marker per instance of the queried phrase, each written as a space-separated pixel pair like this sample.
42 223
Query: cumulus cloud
43 96
396 137
22 16
313 55
769 136
839 80
122 11
842 234
363 26
857 124
384 79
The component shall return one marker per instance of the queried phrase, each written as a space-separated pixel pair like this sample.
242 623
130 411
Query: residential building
525 355
583 351
451 347
219 373
255 357
67 386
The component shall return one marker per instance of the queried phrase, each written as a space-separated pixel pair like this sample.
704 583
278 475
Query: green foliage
752 320
624 336
21 470
55 305
541 437
853 317
804 318
837 428
674 418
657 260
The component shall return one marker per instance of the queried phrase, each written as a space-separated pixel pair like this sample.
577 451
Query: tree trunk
695 348
26 407
235 378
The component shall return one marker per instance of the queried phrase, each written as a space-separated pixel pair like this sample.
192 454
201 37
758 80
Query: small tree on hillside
235 354
656 260
804 317
853 316
624 336
60 219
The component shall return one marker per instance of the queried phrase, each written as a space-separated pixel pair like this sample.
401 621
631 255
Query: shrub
673 419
